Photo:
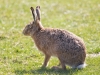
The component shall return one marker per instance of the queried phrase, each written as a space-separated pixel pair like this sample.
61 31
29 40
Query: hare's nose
23 32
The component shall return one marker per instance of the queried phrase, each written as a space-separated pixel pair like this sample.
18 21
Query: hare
66 46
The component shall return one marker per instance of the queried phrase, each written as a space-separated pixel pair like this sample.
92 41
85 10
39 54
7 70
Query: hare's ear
38 12
33 13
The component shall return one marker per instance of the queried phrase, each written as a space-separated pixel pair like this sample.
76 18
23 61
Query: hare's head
36 24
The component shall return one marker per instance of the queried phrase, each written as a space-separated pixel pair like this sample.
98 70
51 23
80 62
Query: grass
18 54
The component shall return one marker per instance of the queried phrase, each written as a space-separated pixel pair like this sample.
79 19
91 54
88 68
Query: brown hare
66 46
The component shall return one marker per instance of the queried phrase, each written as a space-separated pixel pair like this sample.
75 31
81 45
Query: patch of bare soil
93 55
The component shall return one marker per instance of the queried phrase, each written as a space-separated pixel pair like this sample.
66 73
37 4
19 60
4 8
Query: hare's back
65 40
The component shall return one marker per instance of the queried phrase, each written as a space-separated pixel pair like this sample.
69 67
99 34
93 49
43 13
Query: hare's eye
30 26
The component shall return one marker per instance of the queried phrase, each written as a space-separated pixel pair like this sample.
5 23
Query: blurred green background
18 54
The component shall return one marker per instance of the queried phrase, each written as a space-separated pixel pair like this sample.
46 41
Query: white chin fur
81 66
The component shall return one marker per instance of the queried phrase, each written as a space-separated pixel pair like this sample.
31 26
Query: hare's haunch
66 46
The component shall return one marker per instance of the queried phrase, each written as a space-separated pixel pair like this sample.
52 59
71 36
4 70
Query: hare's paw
55 68
43 66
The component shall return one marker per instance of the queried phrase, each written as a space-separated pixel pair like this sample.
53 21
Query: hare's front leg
62 64
47 57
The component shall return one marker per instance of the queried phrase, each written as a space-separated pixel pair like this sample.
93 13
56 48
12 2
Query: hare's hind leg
47 57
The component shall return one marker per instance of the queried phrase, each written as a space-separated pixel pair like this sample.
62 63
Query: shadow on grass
46 71
3 38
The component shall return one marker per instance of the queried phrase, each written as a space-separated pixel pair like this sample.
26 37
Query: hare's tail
81 66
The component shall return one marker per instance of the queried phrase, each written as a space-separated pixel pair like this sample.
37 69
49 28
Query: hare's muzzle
24 32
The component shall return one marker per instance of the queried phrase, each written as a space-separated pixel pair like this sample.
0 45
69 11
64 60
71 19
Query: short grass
18 54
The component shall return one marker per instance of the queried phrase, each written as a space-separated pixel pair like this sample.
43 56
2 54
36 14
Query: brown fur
69 48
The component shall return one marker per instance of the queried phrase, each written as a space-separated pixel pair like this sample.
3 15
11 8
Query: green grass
18 54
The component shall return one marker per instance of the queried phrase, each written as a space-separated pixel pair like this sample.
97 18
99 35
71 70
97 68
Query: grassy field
19 55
